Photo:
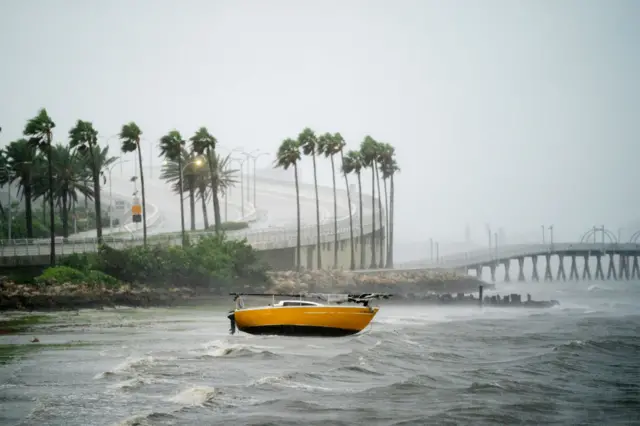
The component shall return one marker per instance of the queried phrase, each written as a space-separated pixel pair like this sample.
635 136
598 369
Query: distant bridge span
627 253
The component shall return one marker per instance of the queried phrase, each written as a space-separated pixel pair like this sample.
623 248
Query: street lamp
241 162
197 162
551 234
111 193
255 161
8 174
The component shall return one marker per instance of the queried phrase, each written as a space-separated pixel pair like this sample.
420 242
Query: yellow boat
305 318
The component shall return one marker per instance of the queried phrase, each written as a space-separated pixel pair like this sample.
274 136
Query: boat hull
304 321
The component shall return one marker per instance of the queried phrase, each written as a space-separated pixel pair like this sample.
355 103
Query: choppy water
578 363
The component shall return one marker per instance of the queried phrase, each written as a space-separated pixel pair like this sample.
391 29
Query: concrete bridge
613 260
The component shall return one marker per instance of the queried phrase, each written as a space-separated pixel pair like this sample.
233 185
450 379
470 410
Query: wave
128 365
146 419
195 396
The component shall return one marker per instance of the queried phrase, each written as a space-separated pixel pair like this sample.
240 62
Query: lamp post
241 162
6 171
431 248
551 234
248 156
255 161
111 193
8 174
197 162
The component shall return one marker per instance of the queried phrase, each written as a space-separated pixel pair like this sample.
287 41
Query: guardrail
526 250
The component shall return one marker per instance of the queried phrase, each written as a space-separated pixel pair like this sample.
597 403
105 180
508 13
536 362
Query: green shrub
60 275
100 278
82 262
213 262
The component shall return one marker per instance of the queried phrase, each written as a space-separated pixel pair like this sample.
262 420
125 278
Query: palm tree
171 149
171 174
289 155
203 142
369 152
385 152
130 138
308 142
198 178
329 145
21 164
225 180
39 130
69 170
339 144
353 163
389 169
4 178
84 138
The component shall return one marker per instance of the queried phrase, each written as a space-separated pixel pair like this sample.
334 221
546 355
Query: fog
513 114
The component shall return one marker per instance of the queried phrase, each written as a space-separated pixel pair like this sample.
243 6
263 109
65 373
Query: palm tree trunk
205 216
352 266
362 260
192 207
382 228
335 216
373 264
391 211
213 169
315 184
144 200
52 226
298 260
96 199
65 216
181 189
86 200
386 218
28 210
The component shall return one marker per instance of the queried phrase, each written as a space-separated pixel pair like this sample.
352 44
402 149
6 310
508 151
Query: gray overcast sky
515 113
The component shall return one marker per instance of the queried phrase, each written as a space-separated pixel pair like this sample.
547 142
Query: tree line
58 173
374 155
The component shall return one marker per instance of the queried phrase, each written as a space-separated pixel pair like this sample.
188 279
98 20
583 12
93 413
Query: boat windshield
296 303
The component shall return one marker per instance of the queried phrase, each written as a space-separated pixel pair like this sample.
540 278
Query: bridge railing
260 239
526 250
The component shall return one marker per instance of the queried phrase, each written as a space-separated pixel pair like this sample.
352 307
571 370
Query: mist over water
578 363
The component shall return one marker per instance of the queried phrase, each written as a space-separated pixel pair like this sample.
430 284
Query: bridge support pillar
586 273
573 275
611 273
548 276
534 275
493 272
521 269
599 273
561 273
507 266
479 271
623 267
635 271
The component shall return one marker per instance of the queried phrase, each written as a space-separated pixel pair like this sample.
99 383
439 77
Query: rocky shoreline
415 284
23 297
407 283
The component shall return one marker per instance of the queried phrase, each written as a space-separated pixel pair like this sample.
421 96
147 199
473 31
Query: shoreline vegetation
211 267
